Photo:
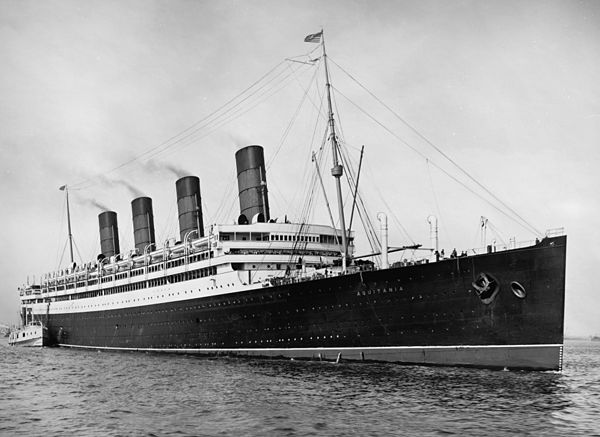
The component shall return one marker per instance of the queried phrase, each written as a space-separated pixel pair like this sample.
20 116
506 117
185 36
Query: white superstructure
232 258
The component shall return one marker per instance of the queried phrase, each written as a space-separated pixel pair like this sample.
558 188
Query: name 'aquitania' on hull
278 289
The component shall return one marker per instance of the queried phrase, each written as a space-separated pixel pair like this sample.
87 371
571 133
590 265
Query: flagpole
337 169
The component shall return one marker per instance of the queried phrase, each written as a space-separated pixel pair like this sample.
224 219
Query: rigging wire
62 255
307 175
226 212
524 223
168 225
267 85
225 199
368 224
383 200
306 55
229 190
496 232
307 208
78 253
361 208
308 162
308 170
205 212
288 129
315 80
194 125
198 135
464 185
310 197
226 117
232 117
223 115
340 130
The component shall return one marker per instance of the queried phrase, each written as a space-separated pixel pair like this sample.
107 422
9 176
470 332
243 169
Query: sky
111 98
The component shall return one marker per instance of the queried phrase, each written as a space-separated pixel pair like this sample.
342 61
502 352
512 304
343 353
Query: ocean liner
269 287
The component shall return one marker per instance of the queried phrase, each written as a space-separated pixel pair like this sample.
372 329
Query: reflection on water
74 392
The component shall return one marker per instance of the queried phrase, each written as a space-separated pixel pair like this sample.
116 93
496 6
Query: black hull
426 313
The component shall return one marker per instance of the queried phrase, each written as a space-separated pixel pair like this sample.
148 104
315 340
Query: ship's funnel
109 233
189 205
143 223
252 183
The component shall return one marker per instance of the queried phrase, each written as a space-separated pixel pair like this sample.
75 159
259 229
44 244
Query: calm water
54 391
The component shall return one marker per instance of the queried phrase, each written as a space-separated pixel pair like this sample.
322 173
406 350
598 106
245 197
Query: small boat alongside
33 334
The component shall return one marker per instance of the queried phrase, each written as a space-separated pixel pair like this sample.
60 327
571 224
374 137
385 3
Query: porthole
518 290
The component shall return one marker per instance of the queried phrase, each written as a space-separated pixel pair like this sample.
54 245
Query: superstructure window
179 277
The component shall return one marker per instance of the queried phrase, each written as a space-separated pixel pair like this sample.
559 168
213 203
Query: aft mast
337 170
66 190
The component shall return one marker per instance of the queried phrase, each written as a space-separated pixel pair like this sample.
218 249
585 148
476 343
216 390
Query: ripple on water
81 392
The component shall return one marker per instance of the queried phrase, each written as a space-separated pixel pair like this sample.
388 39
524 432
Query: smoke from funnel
120 182
238 140
92 202
133 190
152 166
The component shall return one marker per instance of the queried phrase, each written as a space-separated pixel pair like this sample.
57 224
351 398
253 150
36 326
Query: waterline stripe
306 349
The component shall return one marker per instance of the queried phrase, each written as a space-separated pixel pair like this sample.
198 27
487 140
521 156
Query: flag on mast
62 188
314 37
